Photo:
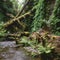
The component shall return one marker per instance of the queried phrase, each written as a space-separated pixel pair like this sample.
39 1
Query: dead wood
16 19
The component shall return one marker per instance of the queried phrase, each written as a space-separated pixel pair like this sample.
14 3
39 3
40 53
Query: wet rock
29 49
7 44
13 53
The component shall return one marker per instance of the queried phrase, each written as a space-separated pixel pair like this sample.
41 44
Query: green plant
44 13
39 15
41 47
55 19
27 42
47 49
2 30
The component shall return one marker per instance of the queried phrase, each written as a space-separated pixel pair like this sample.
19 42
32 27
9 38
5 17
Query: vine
55 18
39 15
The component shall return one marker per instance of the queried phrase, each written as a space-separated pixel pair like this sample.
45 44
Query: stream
8 51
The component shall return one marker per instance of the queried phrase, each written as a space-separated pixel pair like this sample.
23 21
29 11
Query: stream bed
8 51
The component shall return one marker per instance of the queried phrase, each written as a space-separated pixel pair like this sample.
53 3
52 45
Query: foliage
41 47
39 18
39 15
55 18
8 8
2 30
27 42
45 15
28 21
5 8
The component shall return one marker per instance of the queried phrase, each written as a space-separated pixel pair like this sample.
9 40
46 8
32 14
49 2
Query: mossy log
15 19
19 34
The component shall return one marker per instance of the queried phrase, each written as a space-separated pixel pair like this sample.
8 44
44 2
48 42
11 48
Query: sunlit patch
21 1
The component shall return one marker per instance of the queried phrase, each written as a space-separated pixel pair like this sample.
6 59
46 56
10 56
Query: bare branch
19 13
16 19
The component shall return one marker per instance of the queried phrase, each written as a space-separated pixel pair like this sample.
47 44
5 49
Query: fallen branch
15 19
19 13
10 15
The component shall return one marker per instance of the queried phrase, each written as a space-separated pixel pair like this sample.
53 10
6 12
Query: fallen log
15 19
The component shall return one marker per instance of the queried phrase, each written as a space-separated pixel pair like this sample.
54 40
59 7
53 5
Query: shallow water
8 51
